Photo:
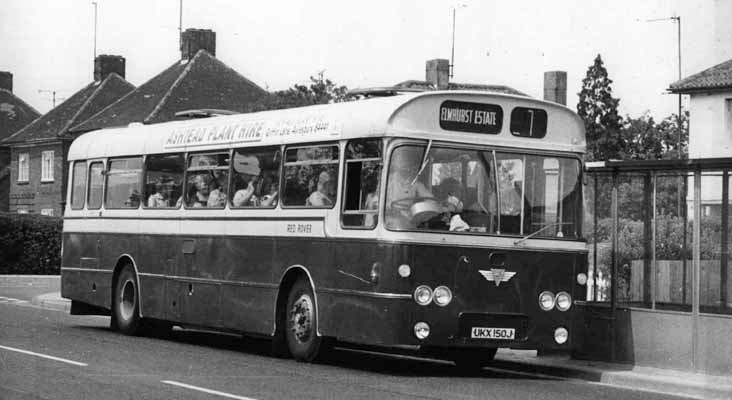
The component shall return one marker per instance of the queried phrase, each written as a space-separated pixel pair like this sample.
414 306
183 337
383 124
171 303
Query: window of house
23 167
78 185
123 183
256 177
207 182
311 174
728 115
363 176
164 180
47 166
96 185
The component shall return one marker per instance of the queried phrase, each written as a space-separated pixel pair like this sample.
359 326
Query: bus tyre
125 303
472 360
301 322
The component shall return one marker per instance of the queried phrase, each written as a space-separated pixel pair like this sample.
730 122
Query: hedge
30 244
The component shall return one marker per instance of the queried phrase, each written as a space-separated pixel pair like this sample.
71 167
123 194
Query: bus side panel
90 283
156 257
248 304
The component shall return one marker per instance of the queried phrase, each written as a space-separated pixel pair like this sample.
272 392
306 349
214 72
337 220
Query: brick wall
35 196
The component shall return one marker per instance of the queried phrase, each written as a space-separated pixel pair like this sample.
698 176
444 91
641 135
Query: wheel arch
123 260
289 277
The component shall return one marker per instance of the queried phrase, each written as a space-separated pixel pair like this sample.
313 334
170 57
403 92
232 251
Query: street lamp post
677 20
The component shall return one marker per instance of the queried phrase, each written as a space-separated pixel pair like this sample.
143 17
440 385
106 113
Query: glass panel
123 183
363 173
311 176
674 196
599 236
164 180
634 253
96 184
208 180
725 276
256 177
710 299
78 185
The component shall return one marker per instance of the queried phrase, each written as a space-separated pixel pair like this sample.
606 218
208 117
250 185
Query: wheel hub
127 300
301 318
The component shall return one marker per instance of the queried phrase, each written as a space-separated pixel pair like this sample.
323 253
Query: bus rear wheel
472 360
125 302
301 325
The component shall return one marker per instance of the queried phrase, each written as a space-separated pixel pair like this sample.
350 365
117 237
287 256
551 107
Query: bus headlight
546 300
423 295
404 270
561 335
442 296
564 301
582 278
421 330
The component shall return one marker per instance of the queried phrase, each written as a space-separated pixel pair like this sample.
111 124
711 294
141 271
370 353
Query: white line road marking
209 391
44 356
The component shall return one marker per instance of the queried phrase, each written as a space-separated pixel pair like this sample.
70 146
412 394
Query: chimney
555 87
106 64
438 73
6 81
193 40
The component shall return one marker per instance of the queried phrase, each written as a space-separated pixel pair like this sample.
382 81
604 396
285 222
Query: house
198 81
38 171
14 115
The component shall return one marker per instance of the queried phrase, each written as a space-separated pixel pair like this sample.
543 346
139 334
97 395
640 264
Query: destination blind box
464 116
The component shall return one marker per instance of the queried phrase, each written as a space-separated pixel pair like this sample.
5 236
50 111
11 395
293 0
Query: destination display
465 116
528 122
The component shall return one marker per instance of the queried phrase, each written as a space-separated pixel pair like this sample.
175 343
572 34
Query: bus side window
256 177
163 180
123 183
311 176
78 185
361 189
96 186
207 182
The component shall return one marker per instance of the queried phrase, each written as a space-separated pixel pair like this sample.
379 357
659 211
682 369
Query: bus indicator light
582 279
423 295
421 330
405 270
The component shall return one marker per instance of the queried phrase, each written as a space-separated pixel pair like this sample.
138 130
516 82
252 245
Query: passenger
217 197
157 199
245 197
270 199
452 192
371 186
324 194
202 186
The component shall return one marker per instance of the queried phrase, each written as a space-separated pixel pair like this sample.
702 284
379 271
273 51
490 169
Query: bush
30 244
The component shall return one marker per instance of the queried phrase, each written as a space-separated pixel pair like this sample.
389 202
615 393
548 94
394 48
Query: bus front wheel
125 302
301 325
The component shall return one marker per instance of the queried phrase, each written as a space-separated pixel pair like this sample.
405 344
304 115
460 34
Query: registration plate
492 333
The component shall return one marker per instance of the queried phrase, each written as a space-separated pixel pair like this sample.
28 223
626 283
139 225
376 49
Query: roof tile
714 78
14 113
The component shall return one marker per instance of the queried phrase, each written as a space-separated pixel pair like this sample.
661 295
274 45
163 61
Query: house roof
14 113
204 82
422 86
80 106
718 77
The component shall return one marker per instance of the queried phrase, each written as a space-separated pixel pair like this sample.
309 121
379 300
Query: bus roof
408 115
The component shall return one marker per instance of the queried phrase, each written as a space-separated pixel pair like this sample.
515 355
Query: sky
48 45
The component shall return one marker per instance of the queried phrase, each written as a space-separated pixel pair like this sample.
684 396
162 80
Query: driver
402 183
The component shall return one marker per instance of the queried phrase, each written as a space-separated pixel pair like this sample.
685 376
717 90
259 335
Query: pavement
672 382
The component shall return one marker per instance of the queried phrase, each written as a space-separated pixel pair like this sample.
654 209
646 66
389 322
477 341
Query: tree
599 109
647 140
319 91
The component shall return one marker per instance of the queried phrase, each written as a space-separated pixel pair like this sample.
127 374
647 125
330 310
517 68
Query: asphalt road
93 362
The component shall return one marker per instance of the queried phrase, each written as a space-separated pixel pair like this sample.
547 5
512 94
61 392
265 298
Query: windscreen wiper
529 236
424 162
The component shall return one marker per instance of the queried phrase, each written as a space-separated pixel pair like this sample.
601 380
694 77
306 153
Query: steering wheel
407 202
